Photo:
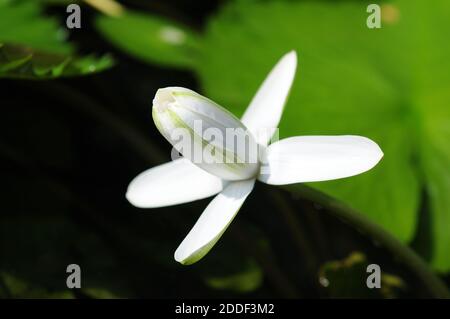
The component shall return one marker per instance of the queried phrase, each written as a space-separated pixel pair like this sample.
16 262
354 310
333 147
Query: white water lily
291 160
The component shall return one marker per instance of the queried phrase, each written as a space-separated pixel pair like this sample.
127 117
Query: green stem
405 254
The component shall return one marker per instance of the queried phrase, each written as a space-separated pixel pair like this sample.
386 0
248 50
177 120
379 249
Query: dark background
69 148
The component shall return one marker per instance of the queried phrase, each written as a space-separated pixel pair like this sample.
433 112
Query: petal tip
136 197
292 54
163 98
187 257
376 154
185 261
380 153
291 58
132 198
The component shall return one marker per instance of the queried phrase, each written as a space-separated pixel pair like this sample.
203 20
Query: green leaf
22 23
8 63
351 80
21 62
33 46
151 39
435 162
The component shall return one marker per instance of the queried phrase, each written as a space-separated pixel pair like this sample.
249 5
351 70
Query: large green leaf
435 164
352 80
34 46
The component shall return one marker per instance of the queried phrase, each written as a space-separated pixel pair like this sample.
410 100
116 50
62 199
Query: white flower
291 160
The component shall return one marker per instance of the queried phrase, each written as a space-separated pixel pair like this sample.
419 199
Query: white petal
213 222
203 132
266 108
172 183
318 158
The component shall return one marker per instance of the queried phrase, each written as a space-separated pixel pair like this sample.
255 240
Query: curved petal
318 158
265 110
213 222
205 133
172 183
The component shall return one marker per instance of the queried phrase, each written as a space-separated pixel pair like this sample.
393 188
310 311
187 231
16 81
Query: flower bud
207 134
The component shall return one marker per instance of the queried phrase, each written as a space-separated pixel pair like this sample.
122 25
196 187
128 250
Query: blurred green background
76 127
